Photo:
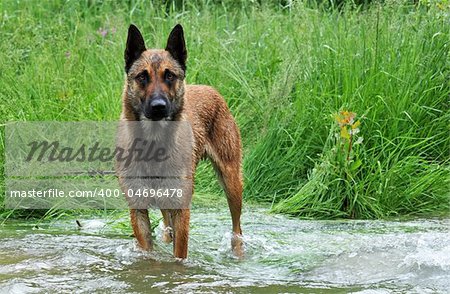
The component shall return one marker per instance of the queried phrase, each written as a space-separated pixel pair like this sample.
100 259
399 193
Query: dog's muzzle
157 108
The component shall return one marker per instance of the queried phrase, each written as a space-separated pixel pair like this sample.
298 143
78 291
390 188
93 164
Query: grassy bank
288 74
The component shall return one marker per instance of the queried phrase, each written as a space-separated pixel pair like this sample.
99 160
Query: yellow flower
356 124
344 133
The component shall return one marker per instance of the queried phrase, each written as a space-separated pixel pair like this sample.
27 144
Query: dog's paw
167 235
237 245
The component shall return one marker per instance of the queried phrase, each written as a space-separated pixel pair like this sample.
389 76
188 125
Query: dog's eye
169 76
142 78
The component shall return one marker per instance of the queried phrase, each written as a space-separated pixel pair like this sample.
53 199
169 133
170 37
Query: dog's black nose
158 105
156 108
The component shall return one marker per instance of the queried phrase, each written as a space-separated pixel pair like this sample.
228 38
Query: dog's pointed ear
176 45
135 46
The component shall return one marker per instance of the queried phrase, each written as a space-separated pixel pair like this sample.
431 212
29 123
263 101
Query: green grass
283 71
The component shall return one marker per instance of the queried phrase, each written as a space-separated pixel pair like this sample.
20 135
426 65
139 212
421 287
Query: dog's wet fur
155 90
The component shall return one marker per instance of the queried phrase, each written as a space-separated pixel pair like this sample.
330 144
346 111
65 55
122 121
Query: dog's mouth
159 117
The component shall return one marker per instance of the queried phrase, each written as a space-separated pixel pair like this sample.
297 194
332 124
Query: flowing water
282 255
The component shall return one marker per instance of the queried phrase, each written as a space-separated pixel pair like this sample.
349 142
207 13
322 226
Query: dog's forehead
155 56
159 58
154 61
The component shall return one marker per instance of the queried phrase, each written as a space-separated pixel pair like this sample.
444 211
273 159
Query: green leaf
355 165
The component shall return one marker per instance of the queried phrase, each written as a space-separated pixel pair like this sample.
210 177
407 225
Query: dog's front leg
141 228
167 231
180 220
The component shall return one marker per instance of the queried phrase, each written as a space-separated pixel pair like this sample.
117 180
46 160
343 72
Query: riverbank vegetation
344 112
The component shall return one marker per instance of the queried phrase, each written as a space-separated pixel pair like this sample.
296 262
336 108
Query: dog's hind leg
224 150
141 228
231 180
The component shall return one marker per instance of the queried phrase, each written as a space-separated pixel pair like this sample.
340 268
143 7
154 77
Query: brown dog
155 90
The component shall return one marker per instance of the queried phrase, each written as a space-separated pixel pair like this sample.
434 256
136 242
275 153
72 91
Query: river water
282 255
